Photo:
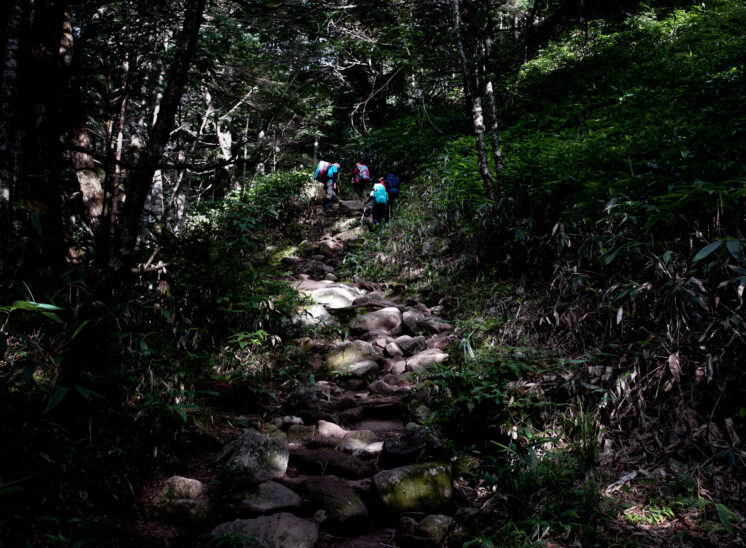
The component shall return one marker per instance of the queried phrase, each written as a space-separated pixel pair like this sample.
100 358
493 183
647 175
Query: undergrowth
113 383
618 244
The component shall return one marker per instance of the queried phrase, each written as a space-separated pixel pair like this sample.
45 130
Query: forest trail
343 465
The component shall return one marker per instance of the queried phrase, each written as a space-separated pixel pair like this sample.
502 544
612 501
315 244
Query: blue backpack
379 194
392 182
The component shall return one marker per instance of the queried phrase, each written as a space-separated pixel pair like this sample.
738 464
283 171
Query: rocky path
346 464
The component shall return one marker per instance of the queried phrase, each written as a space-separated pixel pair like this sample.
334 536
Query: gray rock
365 368
417 444
411 320
350 352
330 248
178 487
271 497
372 449
393 350
316 267
308 405
357 439
426 358
329 461
386 319
398 367
276 531
313 316
331 277
255 457
434 526
345 511
335 297
415 488
330 430
411 345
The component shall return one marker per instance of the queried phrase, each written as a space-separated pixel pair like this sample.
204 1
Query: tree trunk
141 178
489 93
475 102
10 131
88 177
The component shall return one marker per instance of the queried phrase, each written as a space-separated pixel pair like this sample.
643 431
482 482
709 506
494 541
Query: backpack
379 194
364 173
321 171
393 183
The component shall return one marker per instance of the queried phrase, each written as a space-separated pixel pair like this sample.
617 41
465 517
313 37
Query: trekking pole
362 219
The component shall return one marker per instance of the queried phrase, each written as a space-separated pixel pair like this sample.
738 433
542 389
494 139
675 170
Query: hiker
360 178
328 174
380 199
392 187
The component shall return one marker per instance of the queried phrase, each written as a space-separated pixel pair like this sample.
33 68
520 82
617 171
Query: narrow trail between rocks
344 465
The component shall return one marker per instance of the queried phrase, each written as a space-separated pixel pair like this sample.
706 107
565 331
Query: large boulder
386 319
178 487
346 513
349 352
335 297
255 457
426 358
271 497
312 316
415 488
275 531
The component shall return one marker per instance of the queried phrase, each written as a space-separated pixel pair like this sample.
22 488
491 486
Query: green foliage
96 395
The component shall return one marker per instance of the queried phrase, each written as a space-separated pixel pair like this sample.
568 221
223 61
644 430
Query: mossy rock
350 352
415 488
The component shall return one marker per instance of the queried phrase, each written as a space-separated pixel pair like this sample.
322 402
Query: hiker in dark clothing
392 187
379 197
332 175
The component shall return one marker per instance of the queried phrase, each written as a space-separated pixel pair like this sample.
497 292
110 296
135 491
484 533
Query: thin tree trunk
141 177
489 93
475 101
10 131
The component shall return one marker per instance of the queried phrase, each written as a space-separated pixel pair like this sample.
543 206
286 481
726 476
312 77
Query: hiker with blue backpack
380 198
328 174
360 178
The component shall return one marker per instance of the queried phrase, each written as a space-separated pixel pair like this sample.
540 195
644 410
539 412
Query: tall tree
140 180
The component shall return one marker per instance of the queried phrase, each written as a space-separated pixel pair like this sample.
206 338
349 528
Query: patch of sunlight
277 253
